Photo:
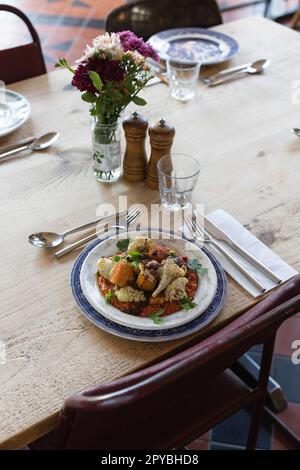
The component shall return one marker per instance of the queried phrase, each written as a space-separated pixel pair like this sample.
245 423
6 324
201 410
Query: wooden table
251 166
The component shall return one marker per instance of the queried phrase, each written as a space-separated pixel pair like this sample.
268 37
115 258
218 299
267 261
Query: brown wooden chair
26 61
171 403
148 17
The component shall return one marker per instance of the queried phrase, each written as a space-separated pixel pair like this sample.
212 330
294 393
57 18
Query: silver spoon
255 68
41 143
52 239
296 131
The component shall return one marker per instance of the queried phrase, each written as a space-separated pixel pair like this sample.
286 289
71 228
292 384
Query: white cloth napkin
255 247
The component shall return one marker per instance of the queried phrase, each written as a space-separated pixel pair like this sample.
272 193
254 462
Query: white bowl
203 297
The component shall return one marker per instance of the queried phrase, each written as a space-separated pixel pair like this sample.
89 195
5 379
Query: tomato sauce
143 309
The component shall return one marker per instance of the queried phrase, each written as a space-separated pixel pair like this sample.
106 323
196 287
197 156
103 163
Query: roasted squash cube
122 274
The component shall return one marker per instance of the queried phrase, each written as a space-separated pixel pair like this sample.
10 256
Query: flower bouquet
111 74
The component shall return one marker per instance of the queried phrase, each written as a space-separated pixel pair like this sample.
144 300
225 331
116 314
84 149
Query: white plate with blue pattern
14 111
185 45
148 335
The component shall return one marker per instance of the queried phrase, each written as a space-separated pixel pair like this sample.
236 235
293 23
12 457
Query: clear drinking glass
178 175
183 79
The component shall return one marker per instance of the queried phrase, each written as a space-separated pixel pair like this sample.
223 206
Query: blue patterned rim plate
157 335
14 111
185 45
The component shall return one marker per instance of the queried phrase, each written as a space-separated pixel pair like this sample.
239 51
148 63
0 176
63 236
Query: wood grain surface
250 161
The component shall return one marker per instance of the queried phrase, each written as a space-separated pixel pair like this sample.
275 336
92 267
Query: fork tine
189 225
132 216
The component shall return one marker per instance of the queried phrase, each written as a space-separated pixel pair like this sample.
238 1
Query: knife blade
220 235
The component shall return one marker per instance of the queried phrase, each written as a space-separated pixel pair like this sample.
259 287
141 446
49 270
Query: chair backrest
137 411
148 17
26 61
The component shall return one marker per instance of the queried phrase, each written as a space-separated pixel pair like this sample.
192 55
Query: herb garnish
186 304
110 295
194 265
134 255
123 244
116 258
135 264
156 316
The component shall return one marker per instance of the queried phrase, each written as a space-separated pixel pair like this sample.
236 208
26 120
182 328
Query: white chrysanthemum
138 58
108 44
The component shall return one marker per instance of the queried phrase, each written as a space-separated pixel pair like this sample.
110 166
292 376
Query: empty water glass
178 175
183 78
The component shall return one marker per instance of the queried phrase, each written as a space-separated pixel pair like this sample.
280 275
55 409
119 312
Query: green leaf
99 106
156 316
89 97
123 244
134 255
186 304
97 82
110 295
139 101
64 64
194 265
116 258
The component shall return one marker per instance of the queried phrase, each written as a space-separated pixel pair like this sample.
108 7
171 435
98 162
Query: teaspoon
41 143
255 68
52 239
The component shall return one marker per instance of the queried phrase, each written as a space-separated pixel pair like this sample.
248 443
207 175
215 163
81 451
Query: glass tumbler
183 79
177 175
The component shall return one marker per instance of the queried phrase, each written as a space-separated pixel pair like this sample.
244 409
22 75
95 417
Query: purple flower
131 42
108 70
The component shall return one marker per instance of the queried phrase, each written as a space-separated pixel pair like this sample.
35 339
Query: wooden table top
251 166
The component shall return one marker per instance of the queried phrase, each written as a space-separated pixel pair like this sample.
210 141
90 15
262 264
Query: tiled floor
65 26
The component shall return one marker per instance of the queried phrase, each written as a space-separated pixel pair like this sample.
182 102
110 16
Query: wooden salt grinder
135 159
161 139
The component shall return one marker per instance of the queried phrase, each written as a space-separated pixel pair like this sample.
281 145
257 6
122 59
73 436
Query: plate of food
14 111
185 45
147 281
182 307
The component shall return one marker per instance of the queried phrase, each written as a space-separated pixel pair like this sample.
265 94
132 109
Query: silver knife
220 235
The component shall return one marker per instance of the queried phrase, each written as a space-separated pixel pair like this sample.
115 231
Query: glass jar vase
106 148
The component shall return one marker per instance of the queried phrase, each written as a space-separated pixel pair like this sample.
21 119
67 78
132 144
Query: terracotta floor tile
287 333
198 444
291 416
201 443
280 442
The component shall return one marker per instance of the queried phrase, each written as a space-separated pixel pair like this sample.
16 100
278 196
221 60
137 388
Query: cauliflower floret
105 266
146 272
129 294
176 289
138 244
169 271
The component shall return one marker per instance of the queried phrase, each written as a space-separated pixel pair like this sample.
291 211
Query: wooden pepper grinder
135 159
161 139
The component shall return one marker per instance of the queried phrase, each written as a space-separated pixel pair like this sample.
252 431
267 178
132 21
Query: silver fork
201 234
131 217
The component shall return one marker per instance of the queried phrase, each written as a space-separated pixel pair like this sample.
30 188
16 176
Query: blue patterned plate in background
147 335
194 44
